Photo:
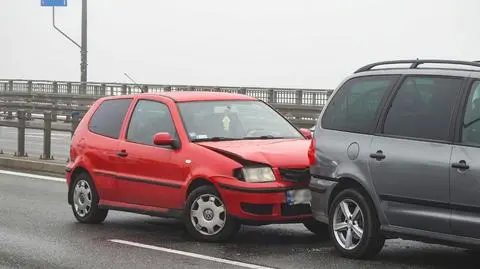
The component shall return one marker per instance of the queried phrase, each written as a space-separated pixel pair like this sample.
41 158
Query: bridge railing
26 103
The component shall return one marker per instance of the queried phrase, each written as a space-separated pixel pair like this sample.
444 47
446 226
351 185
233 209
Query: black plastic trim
257 190
429 237
324 178
148 181
171 213
429 203
140 180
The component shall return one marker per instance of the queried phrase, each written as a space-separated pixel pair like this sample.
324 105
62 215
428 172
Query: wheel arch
349 183
196 183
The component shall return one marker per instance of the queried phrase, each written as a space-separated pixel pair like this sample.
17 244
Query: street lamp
83 46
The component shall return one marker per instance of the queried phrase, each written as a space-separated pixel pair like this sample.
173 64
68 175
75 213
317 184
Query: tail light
311 152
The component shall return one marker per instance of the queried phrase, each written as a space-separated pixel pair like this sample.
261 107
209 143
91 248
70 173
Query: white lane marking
20 174
190 254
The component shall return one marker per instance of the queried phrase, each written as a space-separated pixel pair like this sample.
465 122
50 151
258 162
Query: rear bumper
321 190
257 206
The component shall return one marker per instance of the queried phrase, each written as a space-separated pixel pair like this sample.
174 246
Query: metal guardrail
44 122
20 99
301 106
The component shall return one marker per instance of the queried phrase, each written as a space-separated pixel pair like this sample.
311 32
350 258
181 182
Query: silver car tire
354 226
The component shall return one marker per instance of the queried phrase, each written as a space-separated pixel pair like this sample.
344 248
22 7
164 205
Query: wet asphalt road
34 143
38 230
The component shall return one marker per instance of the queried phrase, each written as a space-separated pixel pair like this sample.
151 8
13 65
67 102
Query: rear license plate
295 197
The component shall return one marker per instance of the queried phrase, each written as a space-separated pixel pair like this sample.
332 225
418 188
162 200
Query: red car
214 160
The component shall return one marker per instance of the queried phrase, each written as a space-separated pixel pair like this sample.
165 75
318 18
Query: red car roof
188 96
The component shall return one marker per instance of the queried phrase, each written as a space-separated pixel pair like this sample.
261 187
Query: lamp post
84 43
84 64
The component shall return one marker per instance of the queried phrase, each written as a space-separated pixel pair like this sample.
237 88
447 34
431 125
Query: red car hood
275 152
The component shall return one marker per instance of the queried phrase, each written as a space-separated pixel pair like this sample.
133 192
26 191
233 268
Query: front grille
257 209
295 210
295 174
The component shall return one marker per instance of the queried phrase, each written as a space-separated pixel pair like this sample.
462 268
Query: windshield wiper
214 139
263 137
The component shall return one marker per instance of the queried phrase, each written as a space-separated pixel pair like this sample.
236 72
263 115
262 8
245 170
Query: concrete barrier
32 166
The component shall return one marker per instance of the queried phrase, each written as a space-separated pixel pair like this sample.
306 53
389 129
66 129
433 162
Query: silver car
396 154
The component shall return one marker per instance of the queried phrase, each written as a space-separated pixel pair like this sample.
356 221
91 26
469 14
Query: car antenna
136 84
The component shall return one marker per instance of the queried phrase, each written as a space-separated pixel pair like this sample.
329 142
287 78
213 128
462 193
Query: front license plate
295 197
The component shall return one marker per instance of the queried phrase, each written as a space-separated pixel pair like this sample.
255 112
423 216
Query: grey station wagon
396 154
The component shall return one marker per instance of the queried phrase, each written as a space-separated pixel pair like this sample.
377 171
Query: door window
355 106
108 118
148 118
423 108
471 121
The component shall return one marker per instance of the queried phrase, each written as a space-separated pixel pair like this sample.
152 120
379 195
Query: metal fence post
21 134
299 97
103 89
271 96
30 86
75 121
47 135
10 88
124 89
55 91
28 114
314 98
69 88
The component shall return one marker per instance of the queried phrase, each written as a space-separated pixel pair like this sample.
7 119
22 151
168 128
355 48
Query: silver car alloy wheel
208 214
82 198
348 224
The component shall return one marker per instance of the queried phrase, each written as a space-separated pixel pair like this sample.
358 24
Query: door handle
122 153
378 155
461 165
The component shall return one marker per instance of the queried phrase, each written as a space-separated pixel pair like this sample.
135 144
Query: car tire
345 231
206 216
320 229
84 197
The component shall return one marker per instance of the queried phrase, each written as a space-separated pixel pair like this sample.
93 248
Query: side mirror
307 133
163 139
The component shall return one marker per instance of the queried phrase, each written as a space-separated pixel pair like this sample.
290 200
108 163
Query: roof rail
416 63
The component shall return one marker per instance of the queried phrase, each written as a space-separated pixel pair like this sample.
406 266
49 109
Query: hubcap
82 198
348 224
208 214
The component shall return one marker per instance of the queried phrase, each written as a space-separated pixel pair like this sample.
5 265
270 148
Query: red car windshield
234 120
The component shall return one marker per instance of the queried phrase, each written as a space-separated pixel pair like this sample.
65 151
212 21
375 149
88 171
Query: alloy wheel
348 224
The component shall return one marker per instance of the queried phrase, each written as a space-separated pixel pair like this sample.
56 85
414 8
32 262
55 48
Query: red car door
97 141
150 175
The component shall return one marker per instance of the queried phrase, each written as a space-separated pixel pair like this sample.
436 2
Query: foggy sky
297 43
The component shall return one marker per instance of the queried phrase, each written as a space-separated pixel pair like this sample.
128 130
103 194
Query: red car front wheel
206 216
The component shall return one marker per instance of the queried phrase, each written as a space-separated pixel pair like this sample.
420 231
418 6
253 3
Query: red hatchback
215 160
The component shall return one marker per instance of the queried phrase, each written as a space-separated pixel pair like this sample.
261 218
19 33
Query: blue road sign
54 3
